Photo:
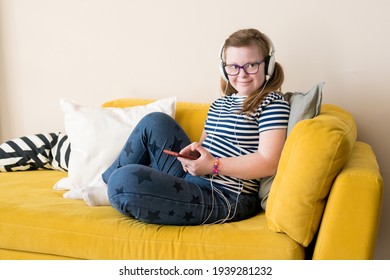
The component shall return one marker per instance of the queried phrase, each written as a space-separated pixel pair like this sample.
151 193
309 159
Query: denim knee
122 178
156 119
118 189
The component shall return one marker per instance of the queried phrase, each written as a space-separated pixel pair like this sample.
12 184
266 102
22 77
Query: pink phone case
176 154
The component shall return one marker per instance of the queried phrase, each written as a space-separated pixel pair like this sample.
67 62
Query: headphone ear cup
223 72
269 65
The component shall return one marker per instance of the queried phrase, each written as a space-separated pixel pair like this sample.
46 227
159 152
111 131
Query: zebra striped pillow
39 151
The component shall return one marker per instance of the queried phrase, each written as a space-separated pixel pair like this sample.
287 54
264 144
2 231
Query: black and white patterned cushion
39 151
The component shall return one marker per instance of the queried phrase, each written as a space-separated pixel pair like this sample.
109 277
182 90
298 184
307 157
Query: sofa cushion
36 219
314 153
303 105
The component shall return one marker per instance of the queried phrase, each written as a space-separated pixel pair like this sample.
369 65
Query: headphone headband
269 60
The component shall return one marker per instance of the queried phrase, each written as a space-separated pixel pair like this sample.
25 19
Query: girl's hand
201 166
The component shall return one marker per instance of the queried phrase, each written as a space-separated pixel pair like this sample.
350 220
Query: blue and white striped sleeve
275 115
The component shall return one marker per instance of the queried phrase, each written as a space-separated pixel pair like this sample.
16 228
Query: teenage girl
243 137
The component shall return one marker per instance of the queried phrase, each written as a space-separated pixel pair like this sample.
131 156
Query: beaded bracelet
215 166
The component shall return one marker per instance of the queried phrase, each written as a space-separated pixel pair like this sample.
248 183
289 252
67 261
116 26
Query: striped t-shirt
231 133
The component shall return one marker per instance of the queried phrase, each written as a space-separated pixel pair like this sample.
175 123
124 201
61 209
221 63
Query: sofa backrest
191 116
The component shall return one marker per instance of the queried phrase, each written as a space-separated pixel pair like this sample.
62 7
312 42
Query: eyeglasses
249 68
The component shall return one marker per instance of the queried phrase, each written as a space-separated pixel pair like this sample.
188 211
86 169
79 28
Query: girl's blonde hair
249 37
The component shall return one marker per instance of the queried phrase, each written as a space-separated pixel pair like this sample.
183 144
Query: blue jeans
152 187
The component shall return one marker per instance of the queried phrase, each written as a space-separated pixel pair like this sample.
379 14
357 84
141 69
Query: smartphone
176 154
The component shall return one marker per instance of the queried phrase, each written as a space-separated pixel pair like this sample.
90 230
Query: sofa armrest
351 219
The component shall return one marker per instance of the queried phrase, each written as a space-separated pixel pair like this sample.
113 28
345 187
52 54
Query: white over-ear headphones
269 61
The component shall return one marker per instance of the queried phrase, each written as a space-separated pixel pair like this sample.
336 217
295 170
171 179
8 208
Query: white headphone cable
240 183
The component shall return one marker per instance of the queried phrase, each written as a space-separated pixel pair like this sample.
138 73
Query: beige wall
95 50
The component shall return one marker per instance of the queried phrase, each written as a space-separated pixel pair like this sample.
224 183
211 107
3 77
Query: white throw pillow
97 135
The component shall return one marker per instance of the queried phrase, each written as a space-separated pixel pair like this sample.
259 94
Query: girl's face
244 83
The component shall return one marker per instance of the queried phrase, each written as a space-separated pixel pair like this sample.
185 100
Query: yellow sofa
324 203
